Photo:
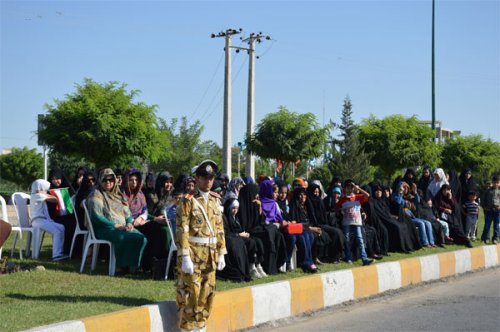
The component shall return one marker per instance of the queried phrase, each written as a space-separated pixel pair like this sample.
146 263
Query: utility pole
226 135
41 126
254 37
433 79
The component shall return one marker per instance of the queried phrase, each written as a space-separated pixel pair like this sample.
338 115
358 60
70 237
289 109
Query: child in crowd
444 224
491 206
350 204
40 217
471 211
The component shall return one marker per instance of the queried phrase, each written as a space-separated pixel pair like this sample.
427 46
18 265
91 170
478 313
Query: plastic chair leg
35 240
112 261
94 256
72 245
169 260
29 238
14 245
84 257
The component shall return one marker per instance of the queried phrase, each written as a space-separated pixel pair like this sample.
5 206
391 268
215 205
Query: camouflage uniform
195 292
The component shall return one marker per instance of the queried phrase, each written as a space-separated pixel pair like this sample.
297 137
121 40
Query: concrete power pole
254 37
226 136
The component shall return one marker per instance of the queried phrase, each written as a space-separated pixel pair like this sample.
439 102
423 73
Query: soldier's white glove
222 263
187 265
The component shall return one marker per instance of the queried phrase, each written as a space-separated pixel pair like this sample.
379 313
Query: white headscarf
434 186
39 185
234 204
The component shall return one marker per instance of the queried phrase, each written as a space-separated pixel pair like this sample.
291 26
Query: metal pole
250 160
226 136
45 162
433 78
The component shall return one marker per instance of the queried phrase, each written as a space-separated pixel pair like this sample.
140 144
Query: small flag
64 203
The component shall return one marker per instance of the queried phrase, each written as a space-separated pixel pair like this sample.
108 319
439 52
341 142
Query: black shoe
468 244
309 269
375 256
367 262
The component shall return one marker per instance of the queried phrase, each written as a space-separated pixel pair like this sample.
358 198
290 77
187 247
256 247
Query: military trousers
195 292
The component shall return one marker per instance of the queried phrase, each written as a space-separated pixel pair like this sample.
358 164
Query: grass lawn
60 293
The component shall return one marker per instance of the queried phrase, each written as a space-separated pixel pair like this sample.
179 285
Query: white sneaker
255 274
261 271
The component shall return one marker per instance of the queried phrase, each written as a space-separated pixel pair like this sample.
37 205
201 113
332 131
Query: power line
234 79
208 87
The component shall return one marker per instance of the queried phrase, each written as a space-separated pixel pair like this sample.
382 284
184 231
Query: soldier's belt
203 240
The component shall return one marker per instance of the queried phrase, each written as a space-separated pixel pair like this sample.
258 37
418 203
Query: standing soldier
201 249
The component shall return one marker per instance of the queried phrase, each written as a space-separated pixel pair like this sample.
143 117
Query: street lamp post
240 145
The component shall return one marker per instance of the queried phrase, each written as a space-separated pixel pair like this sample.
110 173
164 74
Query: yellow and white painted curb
250 306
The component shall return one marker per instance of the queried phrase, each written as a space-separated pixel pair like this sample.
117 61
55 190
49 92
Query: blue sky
376 52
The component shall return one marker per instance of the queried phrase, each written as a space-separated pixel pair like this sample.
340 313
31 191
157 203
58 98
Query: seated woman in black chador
58 181
400 230
301 211
326 251
253 221
244 252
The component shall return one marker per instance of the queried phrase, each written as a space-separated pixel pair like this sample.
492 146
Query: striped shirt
471 208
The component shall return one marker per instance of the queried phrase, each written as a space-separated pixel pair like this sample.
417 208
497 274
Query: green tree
187 149
103 124
68 164
399 142
475 152
349 158
288 136
21 166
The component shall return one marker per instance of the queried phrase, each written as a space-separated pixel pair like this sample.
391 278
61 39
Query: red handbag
293 229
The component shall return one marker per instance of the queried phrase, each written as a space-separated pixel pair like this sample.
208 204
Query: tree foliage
348 157
21 166
399 142
475 152
187 149
102 123
68 164
288 136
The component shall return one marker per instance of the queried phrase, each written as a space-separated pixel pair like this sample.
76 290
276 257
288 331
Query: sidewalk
250 306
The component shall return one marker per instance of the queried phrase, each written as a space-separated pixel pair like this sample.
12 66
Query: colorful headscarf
233 188
269 206
109 204
136 199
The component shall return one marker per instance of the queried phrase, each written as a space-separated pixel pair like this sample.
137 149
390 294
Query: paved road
467 303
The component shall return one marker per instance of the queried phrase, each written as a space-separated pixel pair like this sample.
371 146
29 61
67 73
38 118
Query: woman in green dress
112 221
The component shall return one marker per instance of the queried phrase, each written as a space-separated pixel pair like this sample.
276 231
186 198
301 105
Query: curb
250 306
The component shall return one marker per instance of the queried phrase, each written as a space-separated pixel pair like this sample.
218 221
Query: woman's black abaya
326 251
253 222
400 232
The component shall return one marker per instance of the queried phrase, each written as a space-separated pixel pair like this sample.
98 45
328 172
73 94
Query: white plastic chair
78 230
92 240
173 247
20 201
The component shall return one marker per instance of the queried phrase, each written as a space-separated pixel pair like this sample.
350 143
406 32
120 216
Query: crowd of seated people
270 225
